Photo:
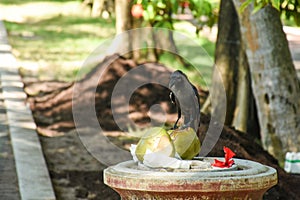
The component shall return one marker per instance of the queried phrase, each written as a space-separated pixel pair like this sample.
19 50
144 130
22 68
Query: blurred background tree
159 14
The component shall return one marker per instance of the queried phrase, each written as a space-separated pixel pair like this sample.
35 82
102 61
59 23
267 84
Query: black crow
186 98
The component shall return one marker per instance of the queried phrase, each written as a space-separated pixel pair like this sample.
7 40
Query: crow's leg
178 117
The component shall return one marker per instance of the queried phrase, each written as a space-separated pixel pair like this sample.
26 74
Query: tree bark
226 57
134 38
97 8
122 10
274 81
144 44
242 112
232 65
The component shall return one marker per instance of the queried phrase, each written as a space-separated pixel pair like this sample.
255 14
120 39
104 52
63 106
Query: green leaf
159 24
258 6
164 24
150 11
175 5
144 3
297 18
288 14
161 5
276 4
245 5
146 15
158 18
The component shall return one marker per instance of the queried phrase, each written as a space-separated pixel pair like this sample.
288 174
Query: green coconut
186 142
157 140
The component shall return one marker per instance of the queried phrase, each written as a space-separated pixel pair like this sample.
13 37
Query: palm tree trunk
274 81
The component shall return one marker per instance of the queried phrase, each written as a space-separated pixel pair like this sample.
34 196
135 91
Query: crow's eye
179 78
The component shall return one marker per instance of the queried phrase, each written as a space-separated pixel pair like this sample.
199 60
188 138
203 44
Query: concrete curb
33 176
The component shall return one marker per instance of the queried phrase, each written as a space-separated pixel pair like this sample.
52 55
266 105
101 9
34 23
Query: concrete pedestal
249 180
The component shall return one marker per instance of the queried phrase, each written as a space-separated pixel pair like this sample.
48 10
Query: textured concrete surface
27 175
8 177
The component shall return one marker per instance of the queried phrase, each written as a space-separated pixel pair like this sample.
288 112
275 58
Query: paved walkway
8 177
23 170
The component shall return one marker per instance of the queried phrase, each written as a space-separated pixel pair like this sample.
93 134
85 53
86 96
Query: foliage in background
290 9
19 2
158 13
204 12
161 13
172 14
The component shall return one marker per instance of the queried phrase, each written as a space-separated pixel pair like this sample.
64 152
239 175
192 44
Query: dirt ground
74 172
78 175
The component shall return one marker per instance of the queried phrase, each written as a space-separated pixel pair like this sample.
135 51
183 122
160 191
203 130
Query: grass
53 38
54 44
58 38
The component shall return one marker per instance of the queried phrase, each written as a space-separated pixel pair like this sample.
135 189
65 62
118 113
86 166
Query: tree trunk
164 43
97 8
242 112
144 44
227 58
274 81
231 71
123 19
127 28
